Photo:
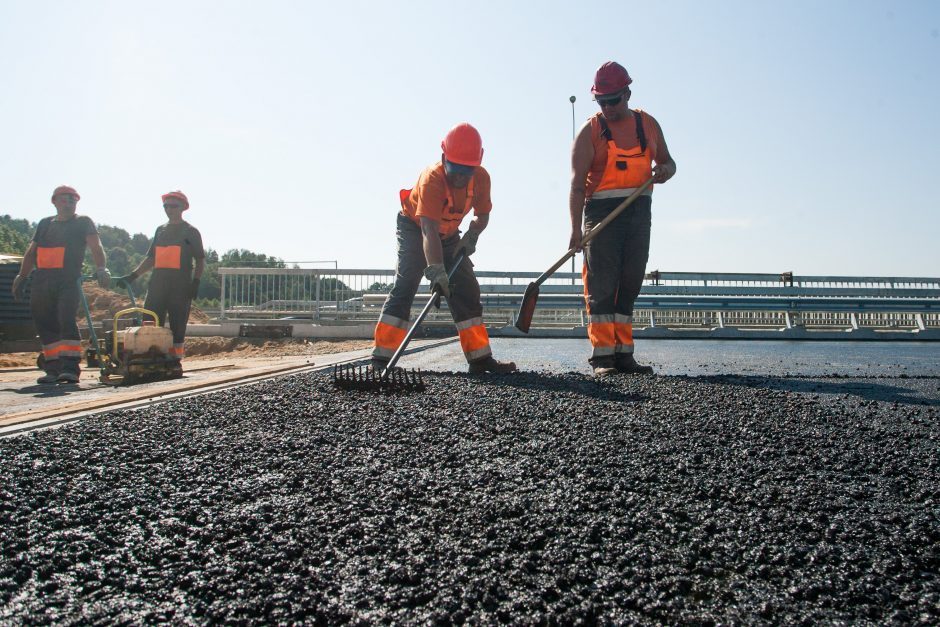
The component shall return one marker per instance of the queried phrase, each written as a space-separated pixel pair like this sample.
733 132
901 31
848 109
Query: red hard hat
463 145
610 78
179 196
65 189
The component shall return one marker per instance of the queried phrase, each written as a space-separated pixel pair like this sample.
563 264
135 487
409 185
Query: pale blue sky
806 133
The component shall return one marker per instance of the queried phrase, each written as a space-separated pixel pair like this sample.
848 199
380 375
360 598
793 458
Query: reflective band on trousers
177 351
389 333
474 339
63 348
50 258
167 257
610 334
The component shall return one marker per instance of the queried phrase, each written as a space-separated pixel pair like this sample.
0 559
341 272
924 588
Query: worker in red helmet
615 152
57 253
177 259
429 241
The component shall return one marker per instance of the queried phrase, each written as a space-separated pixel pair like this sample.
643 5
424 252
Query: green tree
12 242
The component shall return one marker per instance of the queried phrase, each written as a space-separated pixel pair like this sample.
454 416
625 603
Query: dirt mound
105 303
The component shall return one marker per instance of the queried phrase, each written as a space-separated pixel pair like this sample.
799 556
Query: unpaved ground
105 303
198 348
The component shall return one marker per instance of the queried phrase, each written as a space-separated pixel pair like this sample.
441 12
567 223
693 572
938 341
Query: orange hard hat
65 189
179 196
610 78
463 145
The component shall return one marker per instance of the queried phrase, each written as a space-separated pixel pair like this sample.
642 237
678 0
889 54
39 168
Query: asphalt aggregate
523 498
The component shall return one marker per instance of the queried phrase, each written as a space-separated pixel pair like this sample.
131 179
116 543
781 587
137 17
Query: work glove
19 282
104 278
125 281
436 273
194 289
467 244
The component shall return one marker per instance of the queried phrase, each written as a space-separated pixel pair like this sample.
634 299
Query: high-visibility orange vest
167 257
50 257
451 216
625 168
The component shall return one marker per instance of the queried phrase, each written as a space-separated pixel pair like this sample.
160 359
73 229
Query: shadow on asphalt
47 391
571 383
867 389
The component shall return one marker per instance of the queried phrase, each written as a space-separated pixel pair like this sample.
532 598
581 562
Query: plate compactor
134 354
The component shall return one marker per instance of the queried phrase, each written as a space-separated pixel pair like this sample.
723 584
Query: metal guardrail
681 299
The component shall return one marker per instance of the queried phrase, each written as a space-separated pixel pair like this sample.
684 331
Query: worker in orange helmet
178 260
57 253
613 155
429 240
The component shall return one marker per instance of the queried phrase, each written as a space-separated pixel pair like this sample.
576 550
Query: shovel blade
527 308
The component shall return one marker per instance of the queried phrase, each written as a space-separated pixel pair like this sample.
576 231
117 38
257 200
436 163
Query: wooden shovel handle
597 228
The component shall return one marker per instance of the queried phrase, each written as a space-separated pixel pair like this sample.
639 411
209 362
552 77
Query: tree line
125 252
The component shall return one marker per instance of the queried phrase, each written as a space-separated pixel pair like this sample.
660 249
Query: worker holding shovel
613 157
177 259
429 241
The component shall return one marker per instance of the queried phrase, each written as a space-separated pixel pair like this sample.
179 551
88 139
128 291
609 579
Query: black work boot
71 371
488 364
603 366
52 369
378 364
626 364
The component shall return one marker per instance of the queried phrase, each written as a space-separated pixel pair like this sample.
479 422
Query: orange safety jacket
167 257
50 257
451 216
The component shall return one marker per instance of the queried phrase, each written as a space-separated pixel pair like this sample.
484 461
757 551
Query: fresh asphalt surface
748 482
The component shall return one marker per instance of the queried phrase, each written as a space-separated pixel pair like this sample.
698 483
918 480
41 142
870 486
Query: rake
391 380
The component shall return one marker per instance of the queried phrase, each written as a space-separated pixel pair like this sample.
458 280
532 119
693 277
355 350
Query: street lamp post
571 100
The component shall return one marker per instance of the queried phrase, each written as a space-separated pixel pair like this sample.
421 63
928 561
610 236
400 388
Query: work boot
49 377
604 371
175 369
67 377
52 368
627 364
378 364
488 364
70 370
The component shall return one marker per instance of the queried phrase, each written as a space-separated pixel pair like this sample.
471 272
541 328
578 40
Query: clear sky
806 133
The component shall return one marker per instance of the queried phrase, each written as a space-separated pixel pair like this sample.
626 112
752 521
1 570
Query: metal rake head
394 381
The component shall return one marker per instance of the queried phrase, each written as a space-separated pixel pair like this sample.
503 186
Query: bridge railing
344 296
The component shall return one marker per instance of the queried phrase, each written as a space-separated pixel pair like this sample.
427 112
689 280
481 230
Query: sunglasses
458 169
168 205
609 102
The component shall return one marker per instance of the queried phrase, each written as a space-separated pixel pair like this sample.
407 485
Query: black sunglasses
167 205
609 102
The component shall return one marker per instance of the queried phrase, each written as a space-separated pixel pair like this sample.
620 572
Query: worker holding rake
612 157
429 241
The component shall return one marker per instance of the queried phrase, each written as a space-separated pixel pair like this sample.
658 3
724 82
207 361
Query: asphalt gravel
523 498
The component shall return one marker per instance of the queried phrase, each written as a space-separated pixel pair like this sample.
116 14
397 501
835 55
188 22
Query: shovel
531 296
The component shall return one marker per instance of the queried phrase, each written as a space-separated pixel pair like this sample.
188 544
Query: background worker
175 250
57 253
429 240
613 155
